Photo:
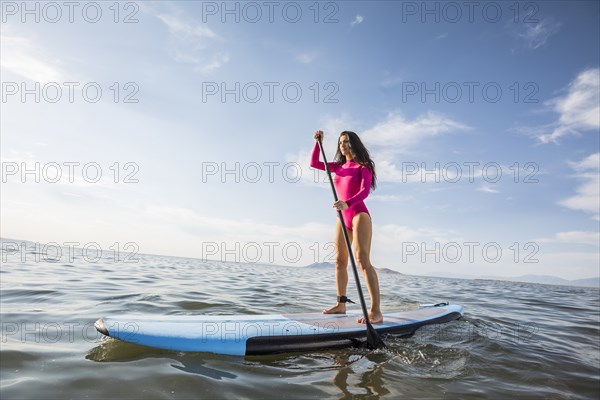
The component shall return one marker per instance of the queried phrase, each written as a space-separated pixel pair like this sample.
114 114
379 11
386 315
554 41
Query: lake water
516 340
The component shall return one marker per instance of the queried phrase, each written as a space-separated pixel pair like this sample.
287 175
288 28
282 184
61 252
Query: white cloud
306 57
573 237
442 36
389 198
536 35
232 229
217 61
390 235
587 198
357 20
390 137
190 43
186 30
21 56
242 240
578 110
335 125
398 133
579 237
26 166
487 189
390 80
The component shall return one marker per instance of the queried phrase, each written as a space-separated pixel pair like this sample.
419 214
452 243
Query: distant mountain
547 279
595 282
328 265
323 265
388 271
544 279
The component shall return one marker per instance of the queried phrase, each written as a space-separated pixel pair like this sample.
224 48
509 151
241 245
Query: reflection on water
364 372
515 340
112 350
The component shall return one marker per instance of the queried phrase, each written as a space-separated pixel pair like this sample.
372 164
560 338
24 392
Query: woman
354 178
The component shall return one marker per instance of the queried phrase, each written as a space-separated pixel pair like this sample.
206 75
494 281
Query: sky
185 129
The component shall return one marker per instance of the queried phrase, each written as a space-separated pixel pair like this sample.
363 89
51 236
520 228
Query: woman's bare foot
374 318
339 308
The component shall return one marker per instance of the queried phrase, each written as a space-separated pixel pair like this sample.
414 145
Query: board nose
101 327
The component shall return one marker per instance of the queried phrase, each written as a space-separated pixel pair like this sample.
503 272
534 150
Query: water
516 340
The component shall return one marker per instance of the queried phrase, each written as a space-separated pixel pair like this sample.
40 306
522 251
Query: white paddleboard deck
265 334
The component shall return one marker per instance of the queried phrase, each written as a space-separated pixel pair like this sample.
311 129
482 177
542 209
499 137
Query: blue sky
512 87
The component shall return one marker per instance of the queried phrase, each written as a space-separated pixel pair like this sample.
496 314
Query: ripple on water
514 340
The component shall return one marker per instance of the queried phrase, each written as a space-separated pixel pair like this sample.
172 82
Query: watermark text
68 252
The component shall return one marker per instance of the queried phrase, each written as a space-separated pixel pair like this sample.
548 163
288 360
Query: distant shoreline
537 279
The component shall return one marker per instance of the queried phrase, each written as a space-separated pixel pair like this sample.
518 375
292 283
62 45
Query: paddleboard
265 334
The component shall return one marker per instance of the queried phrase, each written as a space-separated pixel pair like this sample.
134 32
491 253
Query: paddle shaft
373 342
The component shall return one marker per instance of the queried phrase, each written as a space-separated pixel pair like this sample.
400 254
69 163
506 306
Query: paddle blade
374 341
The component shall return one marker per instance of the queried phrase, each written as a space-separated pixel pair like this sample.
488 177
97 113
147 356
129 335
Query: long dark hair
360 153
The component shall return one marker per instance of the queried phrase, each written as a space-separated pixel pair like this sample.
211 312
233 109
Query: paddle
374 341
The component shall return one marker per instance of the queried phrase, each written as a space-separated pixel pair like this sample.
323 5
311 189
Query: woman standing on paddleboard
354 178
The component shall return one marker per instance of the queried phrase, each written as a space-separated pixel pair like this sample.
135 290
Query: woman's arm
365 187
316 163
314 158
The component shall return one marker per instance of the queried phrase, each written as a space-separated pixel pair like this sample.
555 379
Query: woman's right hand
318 135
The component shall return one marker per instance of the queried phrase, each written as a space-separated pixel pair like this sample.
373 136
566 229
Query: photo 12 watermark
50 332
470 252
290 252
252 12
469 92
69 92
517 333
454 12
469 171
69 172
52 12
204 332
69 252
408 172
269 92
250 172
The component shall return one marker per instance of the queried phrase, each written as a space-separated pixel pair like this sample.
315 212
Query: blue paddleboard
265 334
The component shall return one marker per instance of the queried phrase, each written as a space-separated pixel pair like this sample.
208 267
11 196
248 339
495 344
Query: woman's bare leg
363 233
341 268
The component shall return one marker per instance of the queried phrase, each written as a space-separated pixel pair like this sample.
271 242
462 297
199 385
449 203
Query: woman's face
344 144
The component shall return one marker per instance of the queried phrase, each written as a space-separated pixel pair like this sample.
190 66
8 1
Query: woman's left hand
340 205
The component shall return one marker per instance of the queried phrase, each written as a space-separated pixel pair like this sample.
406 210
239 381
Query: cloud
390 81
574 237
442 36
357 20
200 231
26 166
587 198
184 29
190 43
391 235
579 237
190 222
579 109
487 189
389 198
217 61
398 134
22 57
389 138
535 35
306 57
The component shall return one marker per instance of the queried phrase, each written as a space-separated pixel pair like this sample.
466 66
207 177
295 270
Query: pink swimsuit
352 182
